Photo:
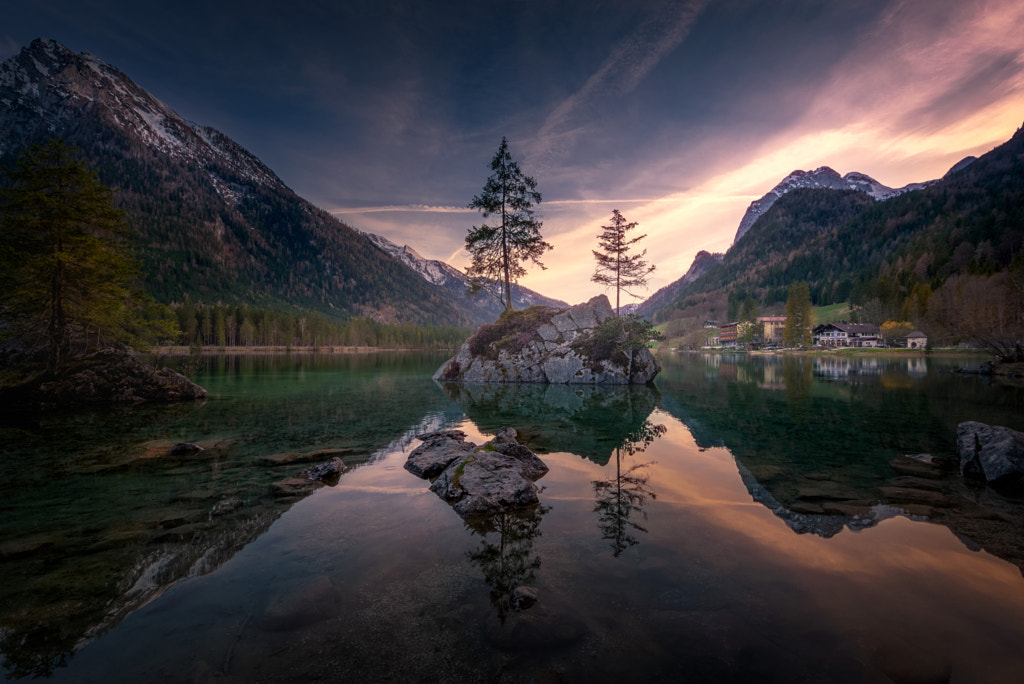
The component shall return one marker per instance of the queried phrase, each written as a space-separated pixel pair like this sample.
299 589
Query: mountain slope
822 177
890 255
702 263
212 222
482 308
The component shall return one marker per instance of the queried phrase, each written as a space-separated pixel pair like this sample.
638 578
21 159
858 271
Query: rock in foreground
547 345
479 481
989 452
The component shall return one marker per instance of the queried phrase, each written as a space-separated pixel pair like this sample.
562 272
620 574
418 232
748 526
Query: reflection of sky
679 113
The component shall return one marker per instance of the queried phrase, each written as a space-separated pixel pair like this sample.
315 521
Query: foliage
895 330
799 316
615 266
616 339
511 332
242 326
66 267
498 251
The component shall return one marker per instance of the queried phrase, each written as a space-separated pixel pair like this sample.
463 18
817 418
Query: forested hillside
947 256
210 221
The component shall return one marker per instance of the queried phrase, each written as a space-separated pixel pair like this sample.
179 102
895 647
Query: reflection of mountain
97 519
825 456
588 421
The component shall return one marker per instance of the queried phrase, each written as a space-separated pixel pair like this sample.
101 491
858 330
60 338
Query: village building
916 340
727 335
772 328
847 335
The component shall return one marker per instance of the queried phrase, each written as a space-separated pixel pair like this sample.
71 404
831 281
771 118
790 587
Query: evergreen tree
63 254
498 251
615 266
799 316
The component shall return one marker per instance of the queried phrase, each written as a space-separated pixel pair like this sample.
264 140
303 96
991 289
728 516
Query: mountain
946 256
822 177
482 308
212 222
702 263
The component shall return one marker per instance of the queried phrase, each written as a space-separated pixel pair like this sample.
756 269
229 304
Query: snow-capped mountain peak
46 84
821 177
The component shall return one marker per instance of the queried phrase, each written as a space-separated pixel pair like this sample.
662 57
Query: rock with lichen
547 345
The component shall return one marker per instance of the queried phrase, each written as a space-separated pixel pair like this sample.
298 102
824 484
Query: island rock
479 481
548 345
989 452
108 376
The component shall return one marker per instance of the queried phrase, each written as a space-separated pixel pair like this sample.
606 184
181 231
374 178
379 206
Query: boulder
479 481
539 348
438 450
991 453
109 376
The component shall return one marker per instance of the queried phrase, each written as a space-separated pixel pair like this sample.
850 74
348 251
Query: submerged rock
541 344
991 453
479 481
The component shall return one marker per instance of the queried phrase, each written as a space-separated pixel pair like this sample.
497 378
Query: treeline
240 326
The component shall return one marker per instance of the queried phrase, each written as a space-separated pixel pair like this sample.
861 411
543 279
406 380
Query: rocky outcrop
109 376
991 453
547 345
497 477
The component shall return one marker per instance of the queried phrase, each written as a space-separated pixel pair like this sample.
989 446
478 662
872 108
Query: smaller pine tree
615 266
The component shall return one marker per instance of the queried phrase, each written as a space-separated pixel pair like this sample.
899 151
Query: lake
751 518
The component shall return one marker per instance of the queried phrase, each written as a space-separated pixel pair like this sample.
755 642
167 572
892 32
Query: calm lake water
752 518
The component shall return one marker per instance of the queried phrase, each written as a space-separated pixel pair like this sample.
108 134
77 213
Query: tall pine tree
64 261
799 316
499 250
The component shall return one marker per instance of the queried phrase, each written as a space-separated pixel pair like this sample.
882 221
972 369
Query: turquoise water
752 518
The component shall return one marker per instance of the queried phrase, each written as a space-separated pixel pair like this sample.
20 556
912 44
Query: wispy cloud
408 208
629 62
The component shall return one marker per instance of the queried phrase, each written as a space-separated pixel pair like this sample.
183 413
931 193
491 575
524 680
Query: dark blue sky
677 113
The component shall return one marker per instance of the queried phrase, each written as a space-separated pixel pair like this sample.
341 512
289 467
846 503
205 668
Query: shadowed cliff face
841 444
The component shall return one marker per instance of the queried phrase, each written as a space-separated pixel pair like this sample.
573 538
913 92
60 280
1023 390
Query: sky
678 113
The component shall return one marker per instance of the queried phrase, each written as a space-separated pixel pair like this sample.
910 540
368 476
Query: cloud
414 208
629 62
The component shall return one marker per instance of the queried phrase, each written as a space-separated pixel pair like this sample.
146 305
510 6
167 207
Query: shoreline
180 350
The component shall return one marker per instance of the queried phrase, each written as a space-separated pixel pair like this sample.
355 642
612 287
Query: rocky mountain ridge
824 177
213 224
454 282
702 263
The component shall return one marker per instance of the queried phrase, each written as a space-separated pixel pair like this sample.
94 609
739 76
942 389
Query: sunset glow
677 114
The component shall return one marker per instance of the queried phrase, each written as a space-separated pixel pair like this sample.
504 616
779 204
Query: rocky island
108 376
586 344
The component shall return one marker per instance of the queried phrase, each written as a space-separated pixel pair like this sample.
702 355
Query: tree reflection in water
623 495
504 554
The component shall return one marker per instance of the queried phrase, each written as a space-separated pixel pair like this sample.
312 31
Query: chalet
772 327
916 340
710 324
847 335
